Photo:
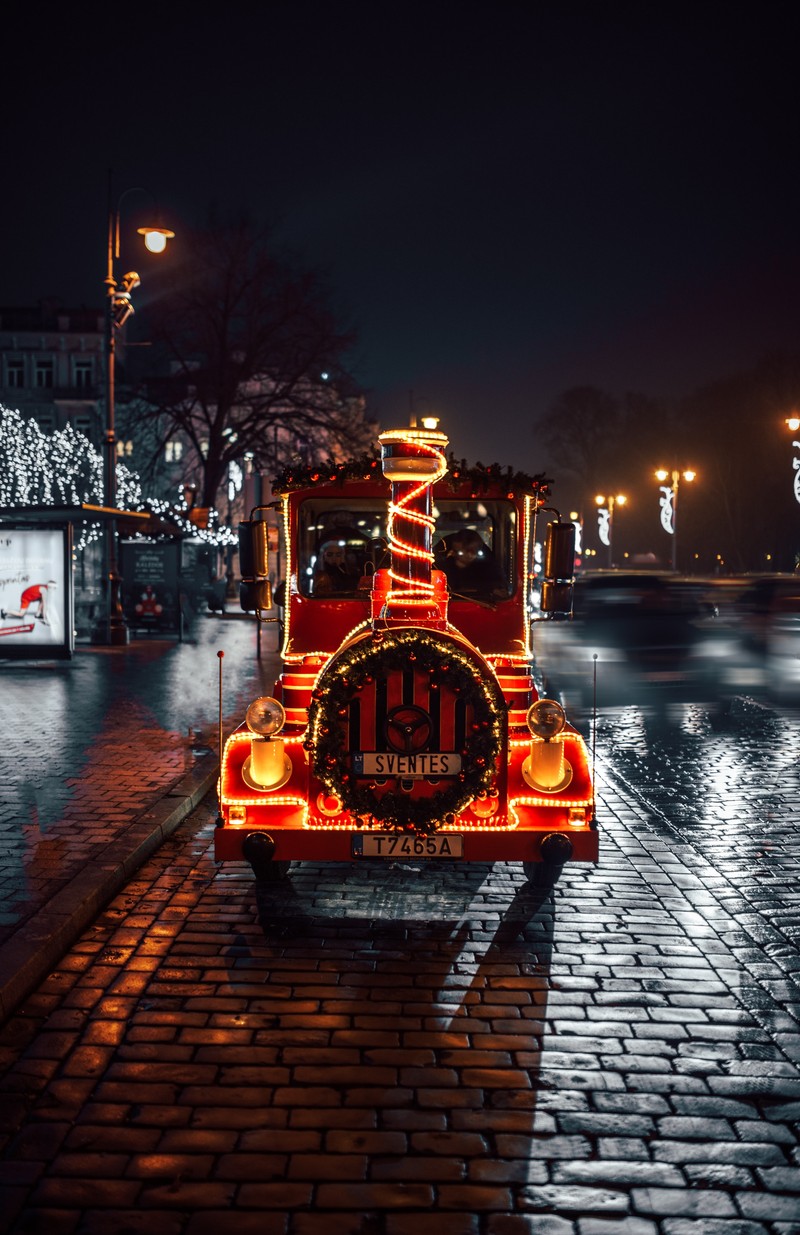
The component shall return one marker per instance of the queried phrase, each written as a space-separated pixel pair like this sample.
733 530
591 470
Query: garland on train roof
367 466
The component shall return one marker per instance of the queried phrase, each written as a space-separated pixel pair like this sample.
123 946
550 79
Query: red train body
405 722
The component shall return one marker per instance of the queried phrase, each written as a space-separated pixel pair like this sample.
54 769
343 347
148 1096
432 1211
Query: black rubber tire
542 874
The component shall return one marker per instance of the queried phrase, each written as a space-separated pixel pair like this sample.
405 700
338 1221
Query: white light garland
64 469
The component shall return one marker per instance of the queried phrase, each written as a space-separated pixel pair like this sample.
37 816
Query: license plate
429 764
386 845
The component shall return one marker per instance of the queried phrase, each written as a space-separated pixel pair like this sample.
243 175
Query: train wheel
542 874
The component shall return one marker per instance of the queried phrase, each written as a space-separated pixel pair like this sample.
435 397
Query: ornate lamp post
605 520
669 504
112 628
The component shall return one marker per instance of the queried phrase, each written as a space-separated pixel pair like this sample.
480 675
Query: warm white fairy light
426 469
63 468
37 468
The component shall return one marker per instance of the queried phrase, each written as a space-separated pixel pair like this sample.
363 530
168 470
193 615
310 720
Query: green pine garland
480 479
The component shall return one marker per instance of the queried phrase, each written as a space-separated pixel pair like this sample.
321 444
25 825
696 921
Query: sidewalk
102 757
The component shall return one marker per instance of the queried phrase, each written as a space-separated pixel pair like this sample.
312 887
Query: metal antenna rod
220 654
594 734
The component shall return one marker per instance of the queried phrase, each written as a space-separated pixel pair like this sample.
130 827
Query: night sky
510 199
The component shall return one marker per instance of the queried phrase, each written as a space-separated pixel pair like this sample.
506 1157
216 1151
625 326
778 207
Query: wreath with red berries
448 665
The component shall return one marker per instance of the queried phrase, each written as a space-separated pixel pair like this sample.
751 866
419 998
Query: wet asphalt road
372 1048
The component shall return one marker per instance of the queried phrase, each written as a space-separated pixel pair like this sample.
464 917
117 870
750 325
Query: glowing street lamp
669 503
793 424
605 520
112 628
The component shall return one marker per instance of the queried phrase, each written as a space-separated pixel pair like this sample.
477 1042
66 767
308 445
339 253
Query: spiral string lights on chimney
413 460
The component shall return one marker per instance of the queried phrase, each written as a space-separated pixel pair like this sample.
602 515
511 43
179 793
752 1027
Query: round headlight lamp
546 719
265 716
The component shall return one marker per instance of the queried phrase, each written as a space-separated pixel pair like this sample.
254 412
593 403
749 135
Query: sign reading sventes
35 591
426 764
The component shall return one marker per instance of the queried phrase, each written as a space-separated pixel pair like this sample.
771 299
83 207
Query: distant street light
112 628
669 504
605 520
793 424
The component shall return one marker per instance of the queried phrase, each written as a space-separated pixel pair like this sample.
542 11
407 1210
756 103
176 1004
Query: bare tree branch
253 358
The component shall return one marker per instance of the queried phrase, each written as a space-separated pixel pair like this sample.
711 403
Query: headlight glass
265 716
546 718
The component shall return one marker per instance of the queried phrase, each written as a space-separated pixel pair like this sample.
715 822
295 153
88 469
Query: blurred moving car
766 621
782 651
760 601
648 635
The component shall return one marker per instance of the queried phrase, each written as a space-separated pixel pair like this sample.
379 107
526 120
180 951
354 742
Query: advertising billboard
36 592
150 596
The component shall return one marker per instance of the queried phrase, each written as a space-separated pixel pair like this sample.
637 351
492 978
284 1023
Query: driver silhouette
470 567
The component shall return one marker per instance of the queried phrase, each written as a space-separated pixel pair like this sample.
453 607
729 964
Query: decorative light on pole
605 520
577 519
422 420
112 627
669 503
793 424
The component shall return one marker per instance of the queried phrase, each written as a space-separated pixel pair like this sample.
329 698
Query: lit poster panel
35 592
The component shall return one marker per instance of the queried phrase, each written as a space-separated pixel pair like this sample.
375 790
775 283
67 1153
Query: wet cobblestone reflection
408 1048
88 744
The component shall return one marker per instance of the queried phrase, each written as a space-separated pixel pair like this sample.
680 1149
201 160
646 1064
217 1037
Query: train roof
461 478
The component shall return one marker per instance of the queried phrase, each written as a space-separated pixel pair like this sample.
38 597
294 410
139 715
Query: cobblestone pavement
409 1050
103 755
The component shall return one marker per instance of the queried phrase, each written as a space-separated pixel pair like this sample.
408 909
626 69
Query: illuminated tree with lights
55 469
64 469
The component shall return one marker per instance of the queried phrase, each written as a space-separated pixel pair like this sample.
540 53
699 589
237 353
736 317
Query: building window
15 373
83 423
43 374
124 448
173 451
84 374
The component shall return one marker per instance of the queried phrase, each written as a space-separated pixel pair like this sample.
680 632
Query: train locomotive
405 723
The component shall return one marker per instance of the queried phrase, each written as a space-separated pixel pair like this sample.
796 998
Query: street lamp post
669 504
112 629
605 520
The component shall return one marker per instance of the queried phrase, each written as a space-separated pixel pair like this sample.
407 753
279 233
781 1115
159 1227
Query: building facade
51 366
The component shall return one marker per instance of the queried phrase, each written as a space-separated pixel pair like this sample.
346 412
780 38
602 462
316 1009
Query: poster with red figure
35 592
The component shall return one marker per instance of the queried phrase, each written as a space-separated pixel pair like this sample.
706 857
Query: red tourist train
406 722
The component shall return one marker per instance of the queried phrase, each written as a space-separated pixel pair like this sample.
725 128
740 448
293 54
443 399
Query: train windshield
339 546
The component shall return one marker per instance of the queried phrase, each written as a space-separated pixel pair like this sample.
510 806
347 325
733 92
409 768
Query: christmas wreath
448 665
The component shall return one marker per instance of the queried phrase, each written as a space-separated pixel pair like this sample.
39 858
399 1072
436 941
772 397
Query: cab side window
338 548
